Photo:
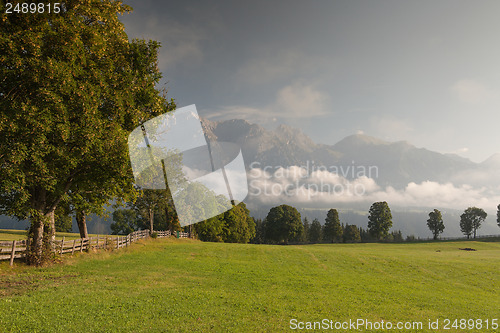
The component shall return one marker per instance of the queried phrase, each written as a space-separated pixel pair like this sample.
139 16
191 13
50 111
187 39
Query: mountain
493 162
395 163
399 162
285 146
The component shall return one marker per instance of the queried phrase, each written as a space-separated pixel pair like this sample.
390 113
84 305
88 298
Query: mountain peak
360 139
492 161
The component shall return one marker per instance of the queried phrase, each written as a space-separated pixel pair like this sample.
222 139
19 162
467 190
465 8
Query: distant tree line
283 225
153 210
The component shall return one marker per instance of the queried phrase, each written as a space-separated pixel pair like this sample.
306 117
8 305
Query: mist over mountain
398 163
314 177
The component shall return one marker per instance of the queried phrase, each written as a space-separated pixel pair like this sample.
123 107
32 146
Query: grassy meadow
171 285
10 235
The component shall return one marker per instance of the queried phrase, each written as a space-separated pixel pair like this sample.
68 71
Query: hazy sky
423 71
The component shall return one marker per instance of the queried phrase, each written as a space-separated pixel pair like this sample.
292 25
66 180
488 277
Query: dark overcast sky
423 71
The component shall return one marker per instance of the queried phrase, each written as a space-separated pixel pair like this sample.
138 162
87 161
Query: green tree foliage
125 222
471 220
351 234
284 224
397 236
498 215
210 230
411 238
379 220
239 226
147 203
260 232
233 226
332 229
305 233
435 223
72 88
63 220
365 235
315 232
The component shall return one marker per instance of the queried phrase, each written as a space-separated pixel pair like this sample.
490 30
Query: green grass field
169 285
10 235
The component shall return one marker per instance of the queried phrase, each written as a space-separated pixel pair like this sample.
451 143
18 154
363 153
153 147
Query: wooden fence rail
10 250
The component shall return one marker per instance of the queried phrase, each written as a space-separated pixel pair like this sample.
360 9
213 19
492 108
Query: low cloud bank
295 185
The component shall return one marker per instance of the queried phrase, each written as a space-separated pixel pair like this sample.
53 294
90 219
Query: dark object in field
468 249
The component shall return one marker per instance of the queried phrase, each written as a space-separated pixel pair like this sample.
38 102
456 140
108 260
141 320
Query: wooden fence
10 250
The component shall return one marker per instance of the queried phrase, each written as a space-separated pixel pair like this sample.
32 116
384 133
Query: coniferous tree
305 234
498 215
379 220
332 229
315 232
260 235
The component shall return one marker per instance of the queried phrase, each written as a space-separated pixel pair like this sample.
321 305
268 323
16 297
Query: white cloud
299 186
295 101
459 151
390 128
472 92
300 101
271 64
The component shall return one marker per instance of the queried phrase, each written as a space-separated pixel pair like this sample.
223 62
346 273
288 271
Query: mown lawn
169 285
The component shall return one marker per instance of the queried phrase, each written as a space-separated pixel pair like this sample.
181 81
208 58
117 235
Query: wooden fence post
13 253
97 244
74 244
81 245
62 245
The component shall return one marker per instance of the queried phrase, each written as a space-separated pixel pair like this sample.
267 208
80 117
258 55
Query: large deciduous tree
379 220
351 234
284 224
435 223
471 220
233 226
239 226
72 87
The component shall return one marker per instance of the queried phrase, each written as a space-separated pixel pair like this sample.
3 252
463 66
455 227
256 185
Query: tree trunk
42 232
51 231
170 220
34 252
151 219
81 221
